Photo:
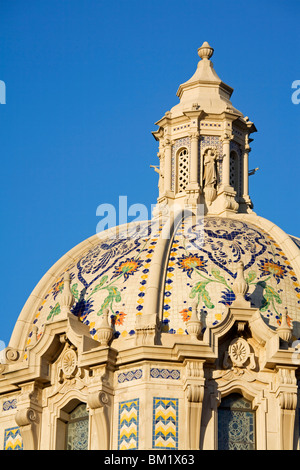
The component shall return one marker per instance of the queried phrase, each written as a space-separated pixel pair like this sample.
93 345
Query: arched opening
77 429
236 424
182 170
73 427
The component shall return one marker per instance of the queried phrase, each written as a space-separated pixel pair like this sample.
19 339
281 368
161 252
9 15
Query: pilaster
194 389
286 393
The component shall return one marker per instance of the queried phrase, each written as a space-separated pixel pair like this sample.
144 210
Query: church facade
177 333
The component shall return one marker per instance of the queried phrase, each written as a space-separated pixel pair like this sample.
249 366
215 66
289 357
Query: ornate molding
11 355
100 404
286 394
25 417
194 389
68 368
98 400
69 363
239 353
195 393
147 329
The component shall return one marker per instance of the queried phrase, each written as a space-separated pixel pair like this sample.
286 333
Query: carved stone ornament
69 363
25 417
239 353
98 399
194 324
11 354
104 329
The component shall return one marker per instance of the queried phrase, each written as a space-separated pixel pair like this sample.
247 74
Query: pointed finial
284 331
205 51
67 298
104 329
240 287
194 325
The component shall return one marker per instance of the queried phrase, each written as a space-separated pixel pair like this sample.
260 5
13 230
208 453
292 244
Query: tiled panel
9 405
128 425
165 423
129 376
172 374
113 274
12 439
202 267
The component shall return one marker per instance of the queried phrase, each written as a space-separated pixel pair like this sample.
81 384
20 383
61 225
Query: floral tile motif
105 277
202 267
113 274
12 439
165 423
128 425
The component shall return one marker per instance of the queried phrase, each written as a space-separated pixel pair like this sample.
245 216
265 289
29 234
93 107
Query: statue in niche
210 172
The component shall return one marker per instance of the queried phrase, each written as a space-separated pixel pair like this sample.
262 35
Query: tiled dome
200 265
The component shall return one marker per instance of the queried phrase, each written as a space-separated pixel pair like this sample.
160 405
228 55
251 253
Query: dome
198 263
179 332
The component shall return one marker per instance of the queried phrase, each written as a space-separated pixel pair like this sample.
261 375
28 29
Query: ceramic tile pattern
129 376
9 405
166 374
111 275
128 425
165 423
202 268
12 439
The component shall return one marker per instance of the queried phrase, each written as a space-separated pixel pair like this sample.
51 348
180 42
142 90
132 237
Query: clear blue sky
86 81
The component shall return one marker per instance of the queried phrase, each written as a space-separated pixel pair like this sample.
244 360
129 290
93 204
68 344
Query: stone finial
284 331
205 51
240 285
194 325
104 330
67 298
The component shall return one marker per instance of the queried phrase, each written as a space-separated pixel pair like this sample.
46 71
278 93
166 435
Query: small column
246 171
194 158
168 166
246 197
226 161
193 188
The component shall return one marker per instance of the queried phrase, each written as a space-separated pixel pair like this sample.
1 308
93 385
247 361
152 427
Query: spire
200 84
204 146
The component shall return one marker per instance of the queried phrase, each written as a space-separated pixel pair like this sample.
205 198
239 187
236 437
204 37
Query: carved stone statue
210 172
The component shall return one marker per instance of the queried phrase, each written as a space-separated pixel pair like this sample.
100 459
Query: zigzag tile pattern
12 439
165 423
128 427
